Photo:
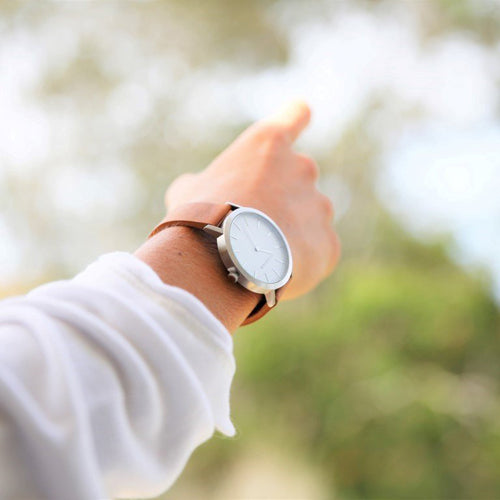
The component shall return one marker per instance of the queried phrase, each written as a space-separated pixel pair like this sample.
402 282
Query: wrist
188 258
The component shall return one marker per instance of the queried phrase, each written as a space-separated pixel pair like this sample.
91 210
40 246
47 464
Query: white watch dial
259 247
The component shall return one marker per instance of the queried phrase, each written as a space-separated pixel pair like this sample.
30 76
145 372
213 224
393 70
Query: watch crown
233 274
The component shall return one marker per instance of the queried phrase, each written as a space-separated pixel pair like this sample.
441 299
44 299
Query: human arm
107 384
109 381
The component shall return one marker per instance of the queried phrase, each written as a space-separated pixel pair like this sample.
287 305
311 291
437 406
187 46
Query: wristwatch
252 247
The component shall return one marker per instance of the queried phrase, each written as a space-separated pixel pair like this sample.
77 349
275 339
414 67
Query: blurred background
385 381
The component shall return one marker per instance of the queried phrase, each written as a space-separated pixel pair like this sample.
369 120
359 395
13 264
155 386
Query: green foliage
386 378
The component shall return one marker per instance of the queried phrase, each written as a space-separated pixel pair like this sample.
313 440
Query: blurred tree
386 377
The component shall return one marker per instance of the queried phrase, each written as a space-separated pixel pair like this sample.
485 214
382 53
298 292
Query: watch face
259 247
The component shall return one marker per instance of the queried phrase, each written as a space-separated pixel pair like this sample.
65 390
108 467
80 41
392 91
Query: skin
259 169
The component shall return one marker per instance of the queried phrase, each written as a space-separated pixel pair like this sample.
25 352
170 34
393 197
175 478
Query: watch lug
271 298
213 230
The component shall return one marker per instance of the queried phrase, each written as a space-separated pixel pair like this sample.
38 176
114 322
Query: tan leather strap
196 215
262 308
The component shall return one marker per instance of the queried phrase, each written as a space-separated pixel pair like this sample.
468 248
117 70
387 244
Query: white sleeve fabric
108 382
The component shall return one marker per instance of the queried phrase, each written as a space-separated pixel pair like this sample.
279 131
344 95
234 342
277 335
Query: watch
252 247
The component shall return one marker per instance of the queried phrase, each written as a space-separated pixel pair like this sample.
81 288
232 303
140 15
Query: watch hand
250 238
264 251
267 260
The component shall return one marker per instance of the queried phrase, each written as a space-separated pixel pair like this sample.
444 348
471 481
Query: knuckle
178 184
310 167
326 205
182 179
335 250
187 176
270 134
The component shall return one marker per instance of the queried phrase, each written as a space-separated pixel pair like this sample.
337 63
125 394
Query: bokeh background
385 381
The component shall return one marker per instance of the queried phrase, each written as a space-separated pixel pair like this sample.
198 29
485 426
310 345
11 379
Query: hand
261 170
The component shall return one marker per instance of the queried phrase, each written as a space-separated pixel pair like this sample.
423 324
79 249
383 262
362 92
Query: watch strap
196 215
200 214
262 307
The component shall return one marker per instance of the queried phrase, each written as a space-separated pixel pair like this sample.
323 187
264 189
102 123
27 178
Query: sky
440 170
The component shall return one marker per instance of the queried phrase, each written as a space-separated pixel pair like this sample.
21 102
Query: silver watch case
237 273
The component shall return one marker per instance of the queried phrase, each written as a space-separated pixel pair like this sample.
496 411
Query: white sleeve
108 382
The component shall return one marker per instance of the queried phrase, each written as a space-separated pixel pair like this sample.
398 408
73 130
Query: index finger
293 118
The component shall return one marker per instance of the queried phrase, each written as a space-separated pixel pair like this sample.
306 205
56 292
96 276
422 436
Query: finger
309 166
335 253
293 118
